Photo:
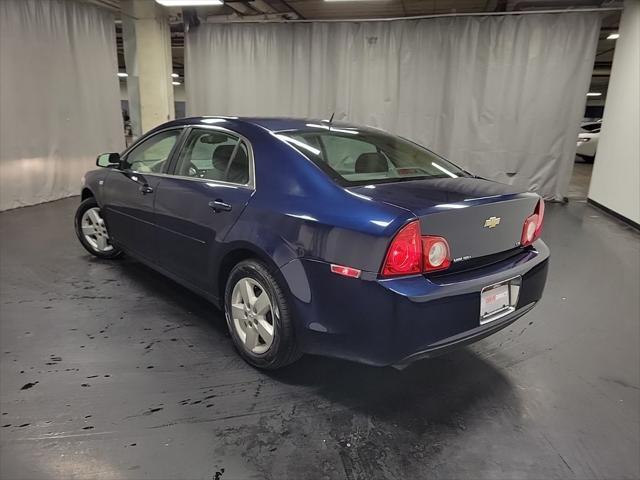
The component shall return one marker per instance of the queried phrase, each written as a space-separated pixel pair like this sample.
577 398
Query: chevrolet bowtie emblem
492 222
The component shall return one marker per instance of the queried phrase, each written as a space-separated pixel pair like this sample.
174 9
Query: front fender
93 185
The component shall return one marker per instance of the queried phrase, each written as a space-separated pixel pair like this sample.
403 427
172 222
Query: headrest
239 168
221 155
371 163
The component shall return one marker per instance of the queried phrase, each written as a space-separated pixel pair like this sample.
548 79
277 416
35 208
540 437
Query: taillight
404 256
436 253
411 253
540 212
533 225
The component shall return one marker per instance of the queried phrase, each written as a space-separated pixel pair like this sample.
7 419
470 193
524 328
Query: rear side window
363 156
214 155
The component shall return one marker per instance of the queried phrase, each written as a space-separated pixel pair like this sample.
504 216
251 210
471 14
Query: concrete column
615 182
147 52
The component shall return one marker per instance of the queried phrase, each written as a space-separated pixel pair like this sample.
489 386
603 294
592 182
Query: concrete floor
580 179
108 370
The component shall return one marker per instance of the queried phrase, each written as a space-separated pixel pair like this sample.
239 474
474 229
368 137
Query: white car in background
588 140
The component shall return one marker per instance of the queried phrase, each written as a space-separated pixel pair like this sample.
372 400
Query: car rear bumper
465 338
397 321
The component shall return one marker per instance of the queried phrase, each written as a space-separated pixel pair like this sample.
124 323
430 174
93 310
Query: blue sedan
322 238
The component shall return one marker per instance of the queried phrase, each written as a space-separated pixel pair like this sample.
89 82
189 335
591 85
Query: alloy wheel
94 231
253 315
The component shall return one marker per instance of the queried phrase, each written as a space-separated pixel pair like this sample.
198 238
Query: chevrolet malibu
322 238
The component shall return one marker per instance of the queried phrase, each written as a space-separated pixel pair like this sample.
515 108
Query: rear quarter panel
299 212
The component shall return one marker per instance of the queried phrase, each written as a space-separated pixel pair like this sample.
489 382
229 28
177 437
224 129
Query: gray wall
616 173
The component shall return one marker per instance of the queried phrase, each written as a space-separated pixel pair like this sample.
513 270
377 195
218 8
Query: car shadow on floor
437 391
158 285
432 391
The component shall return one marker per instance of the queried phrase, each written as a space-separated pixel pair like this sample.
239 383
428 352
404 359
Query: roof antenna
331 119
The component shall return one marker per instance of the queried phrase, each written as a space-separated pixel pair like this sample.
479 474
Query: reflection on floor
579 186
108 370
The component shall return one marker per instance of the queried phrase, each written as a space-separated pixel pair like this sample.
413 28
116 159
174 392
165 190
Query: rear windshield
359 157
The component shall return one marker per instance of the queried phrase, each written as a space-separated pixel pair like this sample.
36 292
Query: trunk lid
477 217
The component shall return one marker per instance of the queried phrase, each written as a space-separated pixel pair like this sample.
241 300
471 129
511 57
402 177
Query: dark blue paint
423 196
188 230
299 221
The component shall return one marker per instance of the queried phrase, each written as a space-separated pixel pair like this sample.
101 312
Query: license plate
499 299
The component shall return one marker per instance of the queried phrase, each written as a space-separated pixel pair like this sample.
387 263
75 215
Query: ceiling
331 10
264 10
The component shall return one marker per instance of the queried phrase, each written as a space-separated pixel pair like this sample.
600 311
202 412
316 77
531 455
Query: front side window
152 154
358 157
214 155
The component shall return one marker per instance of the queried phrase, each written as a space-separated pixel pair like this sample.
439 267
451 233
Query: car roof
274 124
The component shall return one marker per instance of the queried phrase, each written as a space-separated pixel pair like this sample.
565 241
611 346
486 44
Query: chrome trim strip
222 183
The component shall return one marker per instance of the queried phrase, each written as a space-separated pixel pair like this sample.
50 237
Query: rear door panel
189 230
190 227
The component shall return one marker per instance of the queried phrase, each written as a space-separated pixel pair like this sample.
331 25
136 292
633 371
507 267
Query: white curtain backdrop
59 97
500 95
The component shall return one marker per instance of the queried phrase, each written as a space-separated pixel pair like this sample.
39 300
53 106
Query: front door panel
131 190
129 212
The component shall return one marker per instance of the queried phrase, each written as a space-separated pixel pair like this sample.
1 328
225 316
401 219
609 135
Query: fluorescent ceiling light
176 83
122 74
175 75
613 36
188 3
594 94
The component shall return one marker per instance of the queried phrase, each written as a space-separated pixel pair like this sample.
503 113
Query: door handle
144 189
219 206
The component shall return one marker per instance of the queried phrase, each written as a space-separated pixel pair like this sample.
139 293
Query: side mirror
107 160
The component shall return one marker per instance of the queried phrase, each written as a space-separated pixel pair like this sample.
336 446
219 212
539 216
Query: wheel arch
236 253
86 193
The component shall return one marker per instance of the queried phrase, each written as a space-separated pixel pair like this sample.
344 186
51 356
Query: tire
282 349
92 243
